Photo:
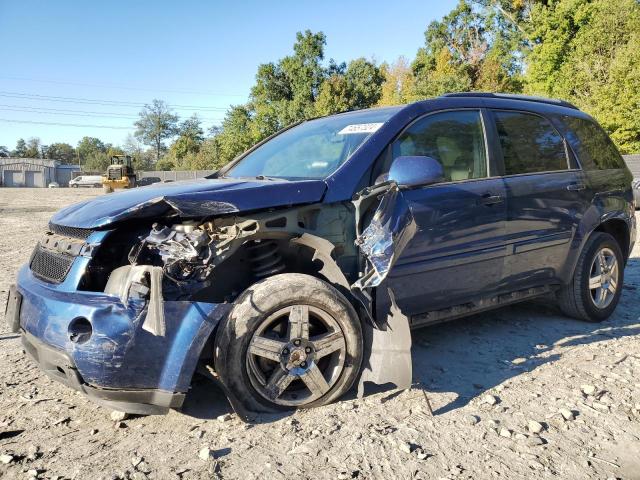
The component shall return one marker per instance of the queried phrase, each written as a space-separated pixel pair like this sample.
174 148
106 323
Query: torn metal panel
322 251
387 355
154 322
386 236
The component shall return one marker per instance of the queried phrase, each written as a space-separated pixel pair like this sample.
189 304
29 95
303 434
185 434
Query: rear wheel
290 341
595 290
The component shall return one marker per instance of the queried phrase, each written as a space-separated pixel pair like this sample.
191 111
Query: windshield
313 149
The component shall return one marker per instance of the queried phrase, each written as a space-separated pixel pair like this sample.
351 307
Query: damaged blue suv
301 267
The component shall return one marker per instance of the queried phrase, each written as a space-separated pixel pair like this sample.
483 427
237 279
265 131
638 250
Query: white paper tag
360 128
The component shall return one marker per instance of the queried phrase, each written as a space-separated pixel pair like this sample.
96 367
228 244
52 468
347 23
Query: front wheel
290 341
595 289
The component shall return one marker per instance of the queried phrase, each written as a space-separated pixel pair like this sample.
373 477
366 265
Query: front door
457 252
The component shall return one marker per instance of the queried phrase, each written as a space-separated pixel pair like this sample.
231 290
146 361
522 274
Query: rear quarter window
529 143
593 146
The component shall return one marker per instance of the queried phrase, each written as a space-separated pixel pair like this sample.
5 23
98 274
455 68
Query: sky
70 69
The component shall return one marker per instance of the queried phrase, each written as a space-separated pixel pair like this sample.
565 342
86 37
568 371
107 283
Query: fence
174 175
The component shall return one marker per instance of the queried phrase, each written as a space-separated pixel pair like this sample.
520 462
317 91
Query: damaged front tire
290 341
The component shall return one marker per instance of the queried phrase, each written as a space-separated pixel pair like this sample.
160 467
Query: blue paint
119 354
465 244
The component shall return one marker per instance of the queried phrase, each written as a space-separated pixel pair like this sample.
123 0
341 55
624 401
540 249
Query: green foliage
584 51
93 154
587 52
295 88
21 149
156 124
474 47
4 152
189 141
399 83
62 152
33 148
360 86
142 159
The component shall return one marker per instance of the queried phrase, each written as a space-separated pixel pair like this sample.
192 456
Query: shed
64 173
633 162
34 172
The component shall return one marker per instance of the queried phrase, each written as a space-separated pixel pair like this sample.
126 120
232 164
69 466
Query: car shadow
469 356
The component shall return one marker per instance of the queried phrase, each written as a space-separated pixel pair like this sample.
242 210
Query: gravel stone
118 416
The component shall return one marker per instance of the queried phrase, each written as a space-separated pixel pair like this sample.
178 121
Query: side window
593 146
455 139
529 143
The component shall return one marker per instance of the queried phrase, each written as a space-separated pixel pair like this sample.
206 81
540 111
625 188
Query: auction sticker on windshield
360 128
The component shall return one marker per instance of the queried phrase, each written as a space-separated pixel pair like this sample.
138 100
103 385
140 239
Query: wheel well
619 230
234 275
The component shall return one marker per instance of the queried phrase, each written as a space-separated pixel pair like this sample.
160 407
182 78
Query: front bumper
119 364
58 365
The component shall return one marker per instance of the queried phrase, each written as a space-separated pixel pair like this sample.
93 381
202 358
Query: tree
33 148
21 149
93 154
586 51
358 86
477 46
62 152
4 151
156 124
141 159
237 134
399 83
190 138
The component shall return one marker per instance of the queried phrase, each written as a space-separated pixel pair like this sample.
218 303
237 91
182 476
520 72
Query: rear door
546 198
458 250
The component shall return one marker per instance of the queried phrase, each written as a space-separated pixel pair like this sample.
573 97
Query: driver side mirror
416 171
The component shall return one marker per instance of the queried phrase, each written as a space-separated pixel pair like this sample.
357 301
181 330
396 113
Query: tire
576 299
107 189
268 310
75 185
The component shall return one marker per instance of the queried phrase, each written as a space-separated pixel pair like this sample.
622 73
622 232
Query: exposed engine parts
184 250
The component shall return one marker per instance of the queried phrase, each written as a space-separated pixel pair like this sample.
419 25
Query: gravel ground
500 386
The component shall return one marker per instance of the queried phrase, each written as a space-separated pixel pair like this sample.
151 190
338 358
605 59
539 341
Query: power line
122 87
79 113
6 120
90 101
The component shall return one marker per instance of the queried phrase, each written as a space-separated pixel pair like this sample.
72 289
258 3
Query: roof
633 162
43 162
513 96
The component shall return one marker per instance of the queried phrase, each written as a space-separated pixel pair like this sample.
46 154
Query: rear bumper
118 364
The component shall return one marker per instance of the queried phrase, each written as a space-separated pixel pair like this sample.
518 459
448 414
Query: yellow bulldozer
119 174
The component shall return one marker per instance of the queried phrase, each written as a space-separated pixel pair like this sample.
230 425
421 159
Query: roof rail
514 96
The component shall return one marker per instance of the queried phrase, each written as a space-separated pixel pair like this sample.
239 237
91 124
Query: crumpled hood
194 198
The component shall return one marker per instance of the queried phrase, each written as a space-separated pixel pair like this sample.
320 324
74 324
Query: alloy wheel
296 355
603 278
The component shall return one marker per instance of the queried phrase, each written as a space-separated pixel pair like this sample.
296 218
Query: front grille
73 232
115 174
50 266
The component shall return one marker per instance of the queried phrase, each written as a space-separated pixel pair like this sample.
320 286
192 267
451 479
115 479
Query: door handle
576 187
488 199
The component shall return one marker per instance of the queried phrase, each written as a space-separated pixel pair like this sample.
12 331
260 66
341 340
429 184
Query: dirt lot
487 378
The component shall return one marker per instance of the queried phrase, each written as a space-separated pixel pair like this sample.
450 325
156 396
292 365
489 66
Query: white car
54 185
86 181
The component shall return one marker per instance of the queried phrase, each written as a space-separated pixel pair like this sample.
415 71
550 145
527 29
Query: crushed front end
91 337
